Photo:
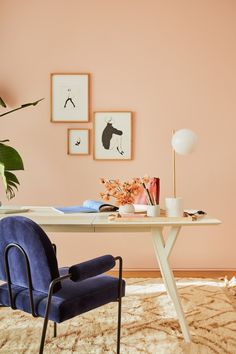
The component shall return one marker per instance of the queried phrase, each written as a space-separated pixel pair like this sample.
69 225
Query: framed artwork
69 98
112 135
78 141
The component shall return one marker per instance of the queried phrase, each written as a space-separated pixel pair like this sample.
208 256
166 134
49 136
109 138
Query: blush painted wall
173 64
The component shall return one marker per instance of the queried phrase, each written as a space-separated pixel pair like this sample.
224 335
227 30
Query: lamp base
174 207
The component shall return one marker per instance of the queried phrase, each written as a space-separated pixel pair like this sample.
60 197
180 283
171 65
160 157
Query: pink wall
173 64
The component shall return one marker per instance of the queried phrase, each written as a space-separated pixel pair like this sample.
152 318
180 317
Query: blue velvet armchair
33 282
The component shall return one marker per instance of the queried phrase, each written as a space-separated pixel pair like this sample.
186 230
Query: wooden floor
178 274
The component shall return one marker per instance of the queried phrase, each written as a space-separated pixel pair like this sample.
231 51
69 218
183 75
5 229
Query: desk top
52 220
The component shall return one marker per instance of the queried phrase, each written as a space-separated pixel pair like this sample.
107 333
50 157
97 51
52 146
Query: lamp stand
183 142
174 169
174 206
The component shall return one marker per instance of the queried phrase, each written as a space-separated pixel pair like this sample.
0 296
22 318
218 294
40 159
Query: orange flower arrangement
124 192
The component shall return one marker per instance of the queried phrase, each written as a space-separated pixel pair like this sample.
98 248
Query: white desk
52 221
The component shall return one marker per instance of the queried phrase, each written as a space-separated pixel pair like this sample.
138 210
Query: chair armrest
92 267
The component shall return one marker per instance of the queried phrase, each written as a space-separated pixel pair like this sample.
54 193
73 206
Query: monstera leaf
10 160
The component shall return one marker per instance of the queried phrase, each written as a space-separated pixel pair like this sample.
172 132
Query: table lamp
183 142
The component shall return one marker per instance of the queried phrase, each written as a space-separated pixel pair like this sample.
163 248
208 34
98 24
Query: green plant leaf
10 158
32 103
10 183
2 174
11 177
10 192
2 103
22 106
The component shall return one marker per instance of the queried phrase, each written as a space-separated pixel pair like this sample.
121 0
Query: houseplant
10 159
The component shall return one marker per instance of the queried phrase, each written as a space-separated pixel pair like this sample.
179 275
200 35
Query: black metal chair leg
54 329
118 326
54 323
45 324
51 287
119 302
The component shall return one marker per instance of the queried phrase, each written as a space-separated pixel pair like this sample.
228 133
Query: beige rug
149 323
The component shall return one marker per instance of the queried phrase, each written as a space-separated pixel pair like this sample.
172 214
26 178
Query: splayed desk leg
162 251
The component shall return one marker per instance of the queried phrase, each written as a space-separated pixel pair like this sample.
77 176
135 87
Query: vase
126 209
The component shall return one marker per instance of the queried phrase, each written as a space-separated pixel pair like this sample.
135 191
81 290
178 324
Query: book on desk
88 206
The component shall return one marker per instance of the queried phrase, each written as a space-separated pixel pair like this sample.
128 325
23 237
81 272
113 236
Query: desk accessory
183 142
89 206
126 218
153 210
195 214
162 218
174 207
150 192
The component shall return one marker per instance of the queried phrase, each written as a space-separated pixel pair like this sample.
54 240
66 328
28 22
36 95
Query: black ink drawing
78 142
112 138
69 99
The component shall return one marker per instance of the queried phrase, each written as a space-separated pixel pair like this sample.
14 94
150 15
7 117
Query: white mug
174 207
153 210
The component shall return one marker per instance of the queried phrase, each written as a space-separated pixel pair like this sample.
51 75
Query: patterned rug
149 323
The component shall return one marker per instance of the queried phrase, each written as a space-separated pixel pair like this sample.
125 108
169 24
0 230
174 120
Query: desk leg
162 254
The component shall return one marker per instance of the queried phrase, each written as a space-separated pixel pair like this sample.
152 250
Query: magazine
88 206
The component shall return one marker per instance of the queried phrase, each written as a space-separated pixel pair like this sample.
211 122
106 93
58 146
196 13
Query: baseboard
182 273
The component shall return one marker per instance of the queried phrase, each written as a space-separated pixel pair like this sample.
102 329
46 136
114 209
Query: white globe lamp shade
184 141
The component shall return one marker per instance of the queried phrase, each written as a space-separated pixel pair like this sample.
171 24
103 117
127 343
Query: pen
148 194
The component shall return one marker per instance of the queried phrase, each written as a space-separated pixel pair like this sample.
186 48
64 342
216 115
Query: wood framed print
112 135
69 98
78 141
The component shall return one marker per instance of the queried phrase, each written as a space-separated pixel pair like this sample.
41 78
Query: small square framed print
78 141
69 98
112 135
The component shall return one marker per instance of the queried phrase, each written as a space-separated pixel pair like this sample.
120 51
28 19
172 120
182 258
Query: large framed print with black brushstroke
112 135
69 98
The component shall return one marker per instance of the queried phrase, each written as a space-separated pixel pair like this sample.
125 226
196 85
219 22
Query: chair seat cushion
71 300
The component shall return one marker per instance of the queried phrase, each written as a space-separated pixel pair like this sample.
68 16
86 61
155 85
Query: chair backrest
38 248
